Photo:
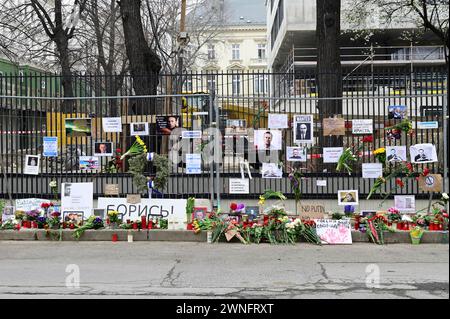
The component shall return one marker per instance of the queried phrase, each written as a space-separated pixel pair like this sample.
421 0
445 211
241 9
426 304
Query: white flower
53 184
445 196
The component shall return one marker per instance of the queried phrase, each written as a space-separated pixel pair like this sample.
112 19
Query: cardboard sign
312 211
112 189
431 183
334 231
133 199
174 210
333 126
239 186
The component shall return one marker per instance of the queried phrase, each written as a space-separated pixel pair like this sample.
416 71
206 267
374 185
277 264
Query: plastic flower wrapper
416 232
351 155
137 148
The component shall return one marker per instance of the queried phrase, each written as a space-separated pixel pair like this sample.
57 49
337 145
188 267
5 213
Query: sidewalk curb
398 237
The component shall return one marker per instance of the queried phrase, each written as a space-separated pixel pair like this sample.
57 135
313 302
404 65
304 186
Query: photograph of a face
103 148
303 129
166 124
8 213
396 112
139 129
89 163
268 139
199 213
271 170
395 154
73 217
31 164
296 154
423 153
78 127
252 212
348 197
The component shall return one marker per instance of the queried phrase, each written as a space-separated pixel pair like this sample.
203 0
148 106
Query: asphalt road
201 270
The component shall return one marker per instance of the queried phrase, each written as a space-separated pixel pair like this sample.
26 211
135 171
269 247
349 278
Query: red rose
367 139
409 166
399 182
118 150
233 206
426 171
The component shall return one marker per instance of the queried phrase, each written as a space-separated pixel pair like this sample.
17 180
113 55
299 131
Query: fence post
211 164
445 131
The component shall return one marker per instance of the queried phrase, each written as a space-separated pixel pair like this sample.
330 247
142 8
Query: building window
236 84
261 83
211 52
261 51
211 79
188 85
235 52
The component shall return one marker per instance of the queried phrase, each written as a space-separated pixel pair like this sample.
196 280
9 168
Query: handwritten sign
174 210
312 211
333 126
431 183
362 126
112 189
112 124
133 198
278 120
239 185
332 231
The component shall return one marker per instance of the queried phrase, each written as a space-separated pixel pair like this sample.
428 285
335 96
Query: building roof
231 12
245 12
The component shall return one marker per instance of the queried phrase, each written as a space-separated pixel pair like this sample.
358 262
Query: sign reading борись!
172 209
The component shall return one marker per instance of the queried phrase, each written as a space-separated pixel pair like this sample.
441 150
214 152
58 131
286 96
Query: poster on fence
77 197
174 210
332 231
362 126
31 165
50 146
333 126
112 124
278 121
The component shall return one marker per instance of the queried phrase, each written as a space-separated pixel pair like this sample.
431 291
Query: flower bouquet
416 235
404 126
93 222
54 220
113 216
380 155
137 148
351 155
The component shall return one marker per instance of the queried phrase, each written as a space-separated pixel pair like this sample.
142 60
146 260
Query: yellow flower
379 151
262 200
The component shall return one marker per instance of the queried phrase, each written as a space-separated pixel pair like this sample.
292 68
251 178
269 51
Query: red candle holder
189 226
143 222
135 225
150 224
72 226
128 221
115 237
399 226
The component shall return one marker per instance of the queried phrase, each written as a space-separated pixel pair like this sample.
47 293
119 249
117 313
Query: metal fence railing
31 108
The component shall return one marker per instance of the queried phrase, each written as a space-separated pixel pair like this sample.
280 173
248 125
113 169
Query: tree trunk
329 72
68 106
144 63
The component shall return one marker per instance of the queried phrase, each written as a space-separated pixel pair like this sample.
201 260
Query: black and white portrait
395 154
296 154
303 129
423 153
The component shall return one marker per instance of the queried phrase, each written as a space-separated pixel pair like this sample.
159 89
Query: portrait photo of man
421 157
103 148
268 139
303 129
393 157
296 154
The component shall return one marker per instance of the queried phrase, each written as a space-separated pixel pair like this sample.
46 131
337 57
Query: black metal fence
31 108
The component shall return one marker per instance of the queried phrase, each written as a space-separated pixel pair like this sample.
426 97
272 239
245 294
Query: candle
135 225
114 237
72 225
130 238
143 222
150 224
